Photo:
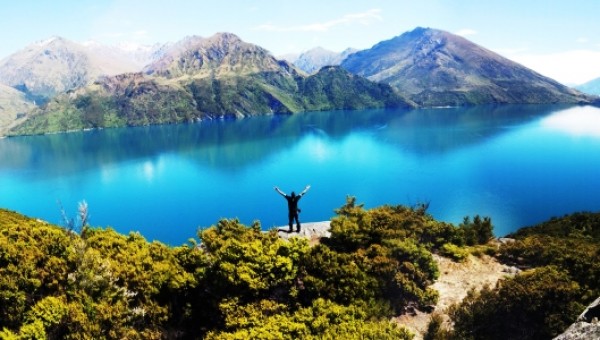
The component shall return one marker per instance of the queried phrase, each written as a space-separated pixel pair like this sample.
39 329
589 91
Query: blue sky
560 39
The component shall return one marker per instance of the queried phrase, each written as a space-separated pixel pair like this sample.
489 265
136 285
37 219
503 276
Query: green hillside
206 78
136 99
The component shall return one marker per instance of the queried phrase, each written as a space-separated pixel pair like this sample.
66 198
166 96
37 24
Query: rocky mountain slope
88 85
205 78
437 68
222 55
13 104
45 69
314 59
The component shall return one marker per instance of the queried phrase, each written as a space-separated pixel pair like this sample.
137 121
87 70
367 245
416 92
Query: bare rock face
587 325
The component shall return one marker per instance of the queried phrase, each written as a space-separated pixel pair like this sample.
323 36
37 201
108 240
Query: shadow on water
233 145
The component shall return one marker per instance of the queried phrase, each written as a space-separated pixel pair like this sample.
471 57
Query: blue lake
520 165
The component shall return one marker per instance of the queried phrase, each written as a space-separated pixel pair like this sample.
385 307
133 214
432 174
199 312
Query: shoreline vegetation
364 279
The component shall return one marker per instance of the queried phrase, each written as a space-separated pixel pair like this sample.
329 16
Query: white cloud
364 18
465 32
582 40
570 67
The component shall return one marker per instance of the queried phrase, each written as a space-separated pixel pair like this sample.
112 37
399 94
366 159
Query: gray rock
593 311
309 230
506 240
511 270
586 327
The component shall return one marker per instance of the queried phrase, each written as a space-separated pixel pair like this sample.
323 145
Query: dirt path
456 278
454 282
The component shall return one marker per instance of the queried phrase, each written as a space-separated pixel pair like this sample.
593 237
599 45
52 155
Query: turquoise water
517 164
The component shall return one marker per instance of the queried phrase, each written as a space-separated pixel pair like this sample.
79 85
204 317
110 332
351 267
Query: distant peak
226 36
91 43
51 40
420 29
424 31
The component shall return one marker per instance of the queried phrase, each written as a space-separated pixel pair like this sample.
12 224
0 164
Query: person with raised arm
293 210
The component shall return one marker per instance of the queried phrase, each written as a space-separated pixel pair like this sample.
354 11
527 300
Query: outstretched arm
305 190
280 192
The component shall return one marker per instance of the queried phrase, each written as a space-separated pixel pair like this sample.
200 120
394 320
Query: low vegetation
240 282
560 259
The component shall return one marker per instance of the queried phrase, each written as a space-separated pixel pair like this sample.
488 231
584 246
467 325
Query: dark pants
294 216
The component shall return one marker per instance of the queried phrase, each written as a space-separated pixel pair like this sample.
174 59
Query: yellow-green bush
454 252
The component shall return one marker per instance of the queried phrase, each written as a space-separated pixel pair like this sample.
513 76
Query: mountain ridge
591 87
56 65
436 68
206 78
224 76
314 59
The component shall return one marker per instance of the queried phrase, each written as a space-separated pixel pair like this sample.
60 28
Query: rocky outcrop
313 231
586 327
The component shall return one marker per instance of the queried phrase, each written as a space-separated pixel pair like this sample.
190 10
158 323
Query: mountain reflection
233 145
581 122
433 131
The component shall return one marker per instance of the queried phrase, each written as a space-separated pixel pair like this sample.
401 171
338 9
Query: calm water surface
517 164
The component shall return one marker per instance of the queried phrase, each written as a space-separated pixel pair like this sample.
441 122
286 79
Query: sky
557 38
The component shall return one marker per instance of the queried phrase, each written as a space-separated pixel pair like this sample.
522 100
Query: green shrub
536 304
454 252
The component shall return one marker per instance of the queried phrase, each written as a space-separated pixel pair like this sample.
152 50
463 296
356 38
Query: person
293 209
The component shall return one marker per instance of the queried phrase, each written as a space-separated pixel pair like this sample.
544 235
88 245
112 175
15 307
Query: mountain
13 105
436 68
45 69
222 55
312 60
289 57
205 78
591 87
90 85
122 58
